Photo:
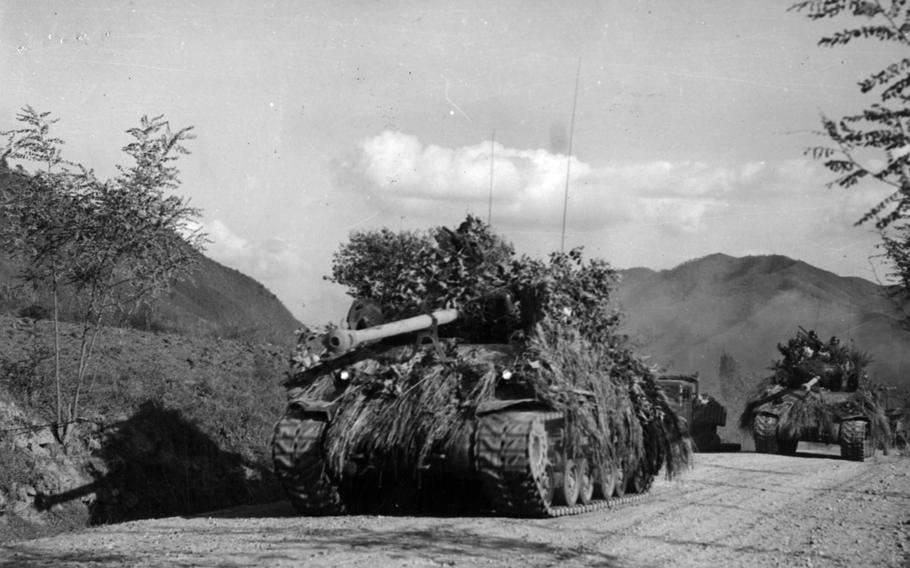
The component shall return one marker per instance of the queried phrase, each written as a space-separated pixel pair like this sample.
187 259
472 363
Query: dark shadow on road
440 544
158 464
22 557
448 543
272 510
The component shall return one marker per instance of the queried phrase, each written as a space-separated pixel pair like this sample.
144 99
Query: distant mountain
686 317
216 300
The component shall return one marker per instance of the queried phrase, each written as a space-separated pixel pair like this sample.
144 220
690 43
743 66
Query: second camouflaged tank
819 393
390 417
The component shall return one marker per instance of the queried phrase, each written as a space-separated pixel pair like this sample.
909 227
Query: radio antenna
565 201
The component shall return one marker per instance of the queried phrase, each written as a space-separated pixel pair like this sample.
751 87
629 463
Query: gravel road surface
736 510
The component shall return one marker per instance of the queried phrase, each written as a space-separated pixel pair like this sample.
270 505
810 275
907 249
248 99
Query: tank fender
853 415
777 402
492 406
776 410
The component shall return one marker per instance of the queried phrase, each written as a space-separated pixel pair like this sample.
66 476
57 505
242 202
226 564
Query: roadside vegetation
100 422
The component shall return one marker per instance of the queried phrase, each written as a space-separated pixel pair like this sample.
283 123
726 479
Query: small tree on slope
114 243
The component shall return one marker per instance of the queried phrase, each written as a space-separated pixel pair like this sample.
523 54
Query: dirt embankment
167 424
747 510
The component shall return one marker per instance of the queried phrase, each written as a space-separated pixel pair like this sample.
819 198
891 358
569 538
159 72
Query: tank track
853 441
299 464
502 457
764 434
506 469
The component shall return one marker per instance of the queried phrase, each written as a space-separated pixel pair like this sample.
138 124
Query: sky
677 127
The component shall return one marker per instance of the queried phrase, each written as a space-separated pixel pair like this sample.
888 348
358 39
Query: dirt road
744 509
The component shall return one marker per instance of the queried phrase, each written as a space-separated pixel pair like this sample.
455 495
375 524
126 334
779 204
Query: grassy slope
225 301
216 300
177 421
175 424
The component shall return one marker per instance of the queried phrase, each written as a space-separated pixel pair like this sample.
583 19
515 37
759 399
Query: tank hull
788 416
510 453
513 460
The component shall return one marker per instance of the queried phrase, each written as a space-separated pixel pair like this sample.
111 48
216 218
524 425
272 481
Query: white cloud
398 168
672 198
656 213
225 244
277 263
529 185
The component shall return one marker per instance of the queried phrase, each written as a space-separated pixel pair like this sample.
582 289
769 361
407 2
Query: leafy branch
114 243
880 131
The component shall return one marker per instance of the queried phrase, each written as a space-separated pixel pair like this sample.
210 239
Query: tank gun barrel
811 383
342 340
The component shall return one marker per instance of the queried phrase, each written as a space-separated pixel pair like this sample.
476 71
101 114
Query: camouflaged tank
818 393
391 417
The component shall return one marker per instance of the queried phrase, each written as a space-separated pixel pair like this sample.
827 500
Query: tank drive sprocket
299 463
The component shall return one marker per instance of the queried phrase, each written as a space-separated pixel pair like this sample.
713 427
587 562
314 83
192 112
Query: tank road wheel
855 444
538 463
546 485
606 481
299 464
764 432
585 482
567 491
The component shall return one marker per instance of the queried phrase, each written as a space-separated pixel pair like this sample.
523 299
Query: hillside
684 318
226 302
215 300
168 424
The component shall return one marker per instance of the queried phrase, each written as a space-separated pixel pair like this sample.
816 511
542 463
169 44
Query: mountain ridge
215 300
685 317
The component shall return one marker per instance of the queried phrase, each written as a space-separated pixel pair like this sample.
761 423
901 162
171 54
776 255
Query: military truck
703 414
